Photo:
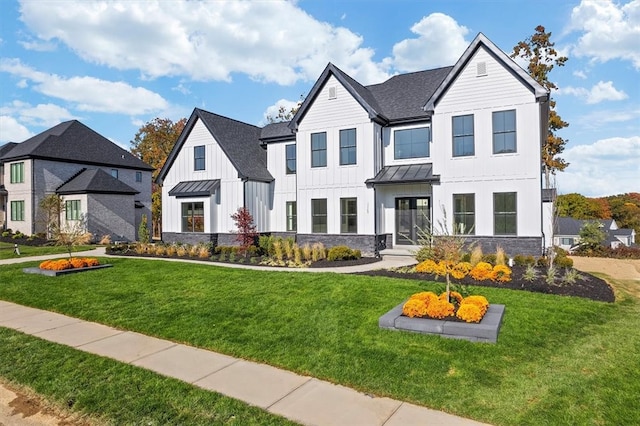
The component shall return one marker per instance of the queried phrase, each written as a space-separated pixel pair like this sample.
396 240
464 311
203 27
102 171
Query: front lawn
6 250
558 360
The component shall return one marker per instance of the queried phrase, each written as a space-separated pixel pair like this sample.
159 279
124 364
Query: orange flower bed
73 263
430 305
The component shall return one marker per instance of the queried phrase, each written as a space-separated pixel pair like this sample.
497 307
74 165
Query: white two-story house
368 166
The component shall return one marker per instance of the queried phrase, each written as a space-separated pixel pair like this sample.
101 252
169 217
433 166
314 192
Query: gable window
17 210
72 209
464 214
319 216
463 136
319 149
504 213
348 215
198 157
193 217
138 176
114 173
347 147
290 157
292 216
566 241
17 172
411 143
504 132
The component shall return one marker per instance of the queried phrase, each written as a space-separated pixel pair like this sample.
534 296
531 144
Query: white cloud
272 41
602 91
89 93
611 31
274 110
12 131
440 42
606 167
580 74
38 46
45 115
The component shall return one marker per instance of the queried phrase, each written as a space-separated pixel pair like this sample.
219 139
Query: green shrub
522 260
489 258
542 262
342 253
563 262
265 242
424 253
6 234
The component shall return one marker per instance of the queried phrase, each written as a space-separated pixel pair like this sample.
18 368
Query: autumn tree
52 207
542 57
245 228
285 114
152 144
578 206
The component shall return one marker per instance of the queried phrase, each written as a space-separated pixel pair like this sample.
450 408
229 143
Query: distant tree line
623 208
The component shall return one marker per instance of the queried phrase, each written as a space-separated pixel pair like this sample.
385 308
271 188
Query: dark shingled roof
4 149
410 173
73 142
276 132
94 181
239 141
195 188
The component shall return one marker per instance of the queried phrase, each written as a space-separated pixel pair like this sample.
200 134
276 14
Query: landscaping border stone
485 331
51 273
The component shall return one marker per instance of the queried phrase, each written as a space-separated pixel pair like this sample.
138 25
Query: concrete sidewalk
303 399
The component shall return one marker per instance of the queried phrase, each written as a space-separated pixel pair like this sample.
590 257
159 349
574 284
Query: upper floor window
198 157
464 213
463 136
17 210
505 213
347 147
411 143
319 149
138 176
504 132
17 172
72 209
319 216
114 173
290 158
292 216
348 215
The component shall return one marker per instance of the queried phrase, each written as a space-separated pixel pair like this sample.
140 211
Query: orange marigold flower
425 296
77 263
91 261
501 273
479 301
440 309
414 308
441 268
426 267
460 270
470 312
482 271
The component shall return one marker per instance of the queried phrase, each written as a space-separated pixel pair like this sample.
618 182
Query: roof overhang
195 188
405 174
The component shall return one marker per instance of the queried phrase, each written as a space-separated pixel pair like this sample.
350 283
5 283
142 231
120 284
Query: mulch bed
32 241
587 286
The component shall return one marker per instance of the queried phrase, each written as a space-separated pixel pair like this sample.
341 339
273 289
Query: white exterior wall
485 173
20 192
284 187
335 181
258 196
217 208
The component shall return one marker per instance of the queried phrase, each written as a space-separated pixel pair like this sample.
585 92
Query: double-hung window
17 172
347 147
193 217
290 158
463 144
17 211
504 132
505 213
292 216
411 143
319 149
464 214
72 209
349 215
198 157
138 176
319 216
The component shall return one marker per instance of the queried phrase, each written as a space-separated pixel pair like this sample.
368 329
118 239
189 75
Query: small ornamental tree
72 234
143 230
245 228
591 235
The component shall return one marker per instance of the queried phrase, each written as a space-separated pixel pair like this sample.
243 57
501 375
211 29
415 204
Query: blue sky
116 65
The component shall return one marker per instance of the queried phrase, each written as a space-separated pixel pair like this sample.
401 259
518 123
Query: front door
412 215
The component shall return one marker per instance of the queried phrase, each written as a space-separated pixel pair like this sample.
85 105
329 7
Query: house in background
367 166
100 183
567 233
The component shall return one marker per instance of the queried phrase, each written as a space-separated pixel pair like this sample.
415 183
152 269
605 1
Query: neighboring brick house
100 183
367 166
567 233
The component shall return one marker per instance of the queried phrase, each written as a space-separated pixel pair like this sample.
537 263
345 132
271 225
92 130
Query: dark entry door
412 214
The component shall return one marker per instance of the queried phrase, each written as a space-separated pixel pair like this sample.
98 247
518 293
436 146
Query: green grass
113 392
559 360
6 250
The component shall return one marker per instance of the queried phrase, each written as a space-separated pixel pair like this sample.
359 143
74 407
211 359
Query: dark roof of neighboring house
94 181
4 149
73 142
409 173
568 226
239 141
624 232
276 132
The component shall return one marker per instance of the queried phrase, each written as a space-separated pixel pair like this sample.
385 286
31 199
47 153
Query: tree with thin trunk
542 57
52 208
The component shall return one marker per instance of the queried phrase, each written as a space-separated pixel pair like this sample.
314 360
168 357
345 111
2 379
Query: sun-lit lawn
6 250
558 360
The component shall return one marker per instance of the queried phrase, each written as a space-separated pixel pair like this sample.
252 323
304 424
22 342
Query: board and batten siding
485 173
335 181
217 166
284 185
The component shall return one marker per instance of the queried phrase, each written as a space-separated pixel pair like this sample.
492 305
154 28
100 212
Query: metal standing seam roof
410 173
195 188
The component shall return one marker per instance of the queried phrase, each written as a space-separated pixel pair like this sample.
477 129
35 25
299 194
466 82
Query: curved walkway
303 399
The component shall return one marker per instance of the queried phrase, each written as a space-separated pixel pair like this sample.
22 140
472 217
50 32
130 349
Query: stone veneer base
51 273
485 331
